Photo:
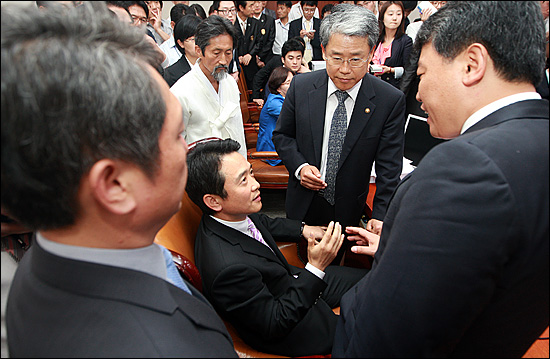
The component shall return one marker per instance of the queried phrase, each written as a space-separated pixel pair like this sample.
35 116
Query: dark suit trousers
340 279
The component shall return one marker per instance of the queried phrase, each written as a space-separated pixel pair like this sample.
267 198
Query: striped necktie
256 234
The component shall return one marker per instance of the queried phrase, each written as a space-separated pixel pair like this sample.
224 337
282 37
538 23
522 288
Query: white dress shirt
281 35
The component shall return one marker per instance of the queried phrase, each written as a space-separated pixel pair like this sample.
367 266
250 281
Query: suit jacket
400 53
294 30
267 37
462 265
255 290
262 77
376 135
59 307
249 43
173 72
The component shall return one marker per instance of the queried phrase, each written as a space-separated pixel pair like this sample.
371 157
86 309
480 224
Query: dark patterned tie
337 134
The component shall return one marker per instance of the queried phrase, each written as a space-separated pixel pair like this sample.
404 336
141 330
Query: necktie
255 233
337 134
172 272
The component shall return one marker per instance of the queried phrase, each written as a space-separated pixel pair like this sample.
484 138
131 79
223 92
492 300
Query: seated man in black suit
93 160
275 307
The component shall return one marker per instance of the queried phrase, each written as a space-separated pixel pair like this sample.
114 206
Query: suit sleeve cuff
317 272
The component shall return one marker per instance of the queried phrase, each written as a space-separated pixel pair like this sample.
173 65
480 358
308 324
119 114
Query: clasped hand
321 253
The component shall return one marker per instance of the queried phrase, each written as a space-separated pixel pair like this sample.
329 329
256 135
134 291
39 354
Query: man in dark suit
267 33
462 264
372 128
275 307
249 40
184 35
104 171
307 27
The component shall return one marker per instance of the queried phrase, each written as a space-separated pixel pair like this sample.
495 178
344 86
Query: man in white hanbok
210 99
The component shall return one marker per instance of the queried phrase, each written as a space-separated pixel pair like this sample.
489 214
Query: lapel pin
367 110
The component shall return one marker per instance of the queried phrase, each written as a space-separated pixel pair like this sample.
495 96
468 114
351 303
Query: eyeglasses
309 11
338 61
225 12
139 19
189 39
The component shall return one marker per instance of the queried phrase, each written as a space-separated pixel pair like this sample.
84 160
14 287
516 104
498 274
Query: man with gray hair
210 99
93 160
461 268
334 124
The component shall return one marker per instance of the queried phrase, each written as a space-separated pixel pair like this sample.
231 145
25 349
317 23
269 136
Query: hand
235 75
310 35
425 14
303 69
317 232
310 178
366 242
375 226
245 60
154 20
321 254
303 33
258 101
259 62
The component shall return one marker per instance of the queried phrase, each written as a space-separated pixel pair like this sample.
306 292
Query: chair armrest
264 155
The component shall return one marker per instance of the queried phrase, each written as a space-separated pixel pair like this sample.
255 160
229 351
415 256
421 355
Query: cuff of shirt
317 272
297 173
398 72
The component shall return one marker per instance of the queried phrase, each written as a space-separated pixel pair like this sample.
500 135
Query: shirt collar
497 105
353 92
149 259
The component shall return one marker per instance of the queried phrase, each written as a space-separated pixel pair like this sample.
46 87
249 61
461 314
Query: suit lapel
247 243
359 118
271 241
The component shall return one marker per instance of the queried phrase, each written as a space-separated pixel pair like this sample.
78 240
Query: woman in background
394 46
278 85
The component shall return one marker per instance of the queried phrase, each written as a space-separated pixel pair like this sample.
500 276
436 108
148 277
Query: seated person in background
184 34
93 283
278 84
275 307
292 53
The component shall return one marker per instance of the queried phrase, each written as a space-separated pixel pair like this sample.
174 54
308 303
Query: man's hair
178 11
511 31
199 10
216 5
204 163
326 8
141 4
308 3
211 27
286 3
186 28
400 29
240 4
350 20
292 44
277 78
76 88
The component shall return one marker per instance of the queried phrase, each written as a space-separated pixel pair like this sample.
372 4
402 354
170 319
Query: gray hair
512 32
76 88
212 27
350 20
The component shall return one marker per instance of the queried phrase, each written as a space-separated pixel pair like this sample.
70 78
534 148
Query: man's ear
213 202
476 60
109 185
371 54
198 51
324 54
